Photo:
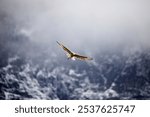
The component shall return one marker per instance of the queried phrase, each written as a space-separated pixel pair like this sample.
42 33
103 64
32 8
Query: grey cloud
98 23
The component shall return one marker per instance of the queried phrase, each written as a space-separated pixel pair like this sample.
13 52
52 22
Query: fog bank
82 24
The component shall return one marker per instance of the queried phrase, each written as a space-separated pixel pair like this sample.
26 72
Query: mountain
110 76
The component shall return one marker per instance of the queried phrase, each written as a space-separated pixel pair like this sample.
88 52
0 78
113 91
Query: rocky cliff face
110 76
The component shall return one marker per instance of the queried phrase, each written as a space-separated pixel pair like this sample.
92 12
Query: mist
83 25
115 33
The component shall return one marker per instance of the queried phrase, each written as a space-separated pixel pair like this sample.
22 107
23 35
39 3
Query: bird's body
72 55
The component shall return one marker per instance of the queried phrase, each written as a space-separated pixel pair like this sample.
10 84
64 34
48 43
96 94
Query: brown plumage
72 55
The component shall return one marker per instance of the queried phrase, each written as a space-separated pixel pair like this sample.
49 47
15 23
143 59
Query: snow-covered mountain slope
110 76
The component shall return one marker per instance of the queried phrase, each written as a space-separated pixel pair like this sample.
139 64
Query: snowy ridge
127 79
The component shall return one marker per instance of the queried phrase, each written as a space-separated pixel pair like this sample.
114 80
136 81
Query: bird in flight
72 55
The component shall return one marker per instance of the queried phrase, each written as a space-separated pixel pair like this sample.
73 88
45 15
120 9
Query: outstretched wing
82 57
65 48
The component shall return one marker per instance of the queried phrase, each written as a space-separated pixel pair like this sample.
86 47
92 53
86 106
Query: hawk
72 55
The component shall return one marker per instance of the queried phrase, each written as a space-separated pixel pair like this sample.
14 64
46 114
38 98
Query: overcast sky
81 24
